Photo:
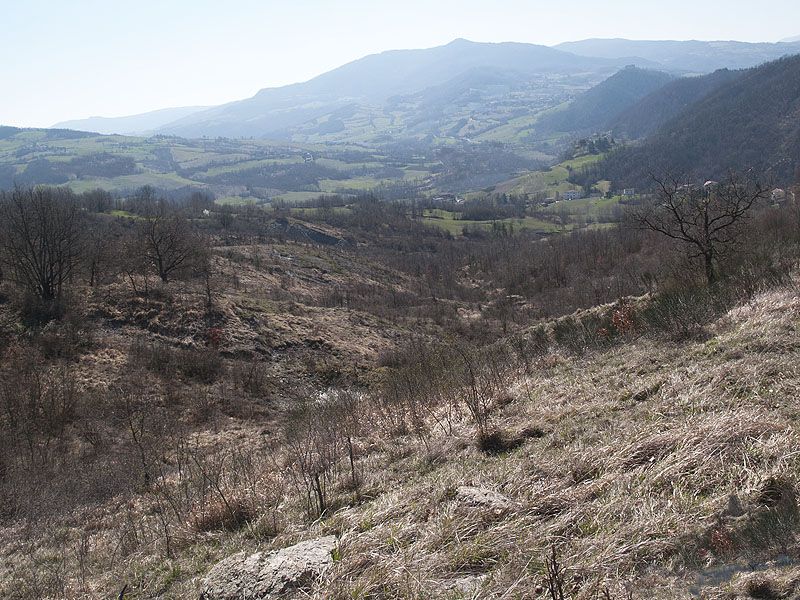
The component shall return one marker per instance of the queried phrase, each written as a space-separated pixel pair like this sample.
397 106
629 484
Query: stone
266 575
484 498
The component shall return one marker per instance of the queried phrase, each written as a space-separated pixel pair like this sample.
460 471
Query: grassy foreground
632 458
653 468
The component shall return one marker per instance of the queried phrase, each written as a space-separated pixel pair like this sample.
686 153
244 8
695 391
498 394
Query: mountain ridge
595 107
373 79
139 124
690 56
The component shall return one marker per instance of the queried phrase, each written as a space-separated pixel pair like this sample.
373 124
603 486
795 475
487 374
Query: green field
294 197
257 172
213 165
237 201
453 223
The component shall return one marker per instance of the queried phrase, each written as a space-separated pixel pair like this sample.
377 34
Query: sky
72 59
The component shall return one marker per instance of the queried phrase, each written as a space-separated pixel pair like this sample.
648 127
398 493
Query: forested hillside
752 121
592 110
658 107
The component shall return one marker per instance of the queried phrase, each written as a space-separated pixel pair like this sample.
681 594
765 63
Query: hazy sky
70 59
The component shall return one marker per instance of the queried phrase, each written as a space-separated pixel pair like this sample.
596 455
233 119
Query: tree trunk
708 257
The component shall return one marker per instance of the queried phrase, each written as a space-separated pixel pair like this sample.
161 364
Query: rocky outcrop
268 574
300 232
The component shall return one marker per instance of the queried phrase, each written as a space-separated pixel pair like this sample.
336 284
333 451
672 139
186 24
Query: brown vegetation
293 388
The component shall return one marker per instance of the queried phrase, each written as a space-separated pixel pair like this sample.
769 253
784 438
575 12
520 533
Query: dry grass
625 459
627 484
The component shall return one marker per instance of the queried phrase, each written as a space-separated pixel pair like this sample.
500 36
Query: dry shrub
530 345
251 376
64 339
680 314
200 364
497 441
579 334
764 589
219 514
38 399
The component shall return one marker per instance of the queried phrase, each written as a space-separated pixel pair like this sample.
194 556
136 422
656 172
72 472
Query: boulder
483 498
263 575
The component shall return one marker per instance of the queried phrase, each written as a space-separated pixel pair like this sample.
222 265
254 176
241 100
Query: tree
706 218
40 233
167 241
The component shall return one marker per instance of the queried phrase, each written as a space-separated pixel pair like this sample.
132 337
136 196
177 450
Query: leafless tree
168 242
706 218
40 234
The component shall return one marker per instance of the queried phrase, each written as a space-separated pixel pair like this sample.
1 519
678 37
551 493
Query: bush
201 364
495 441
530 345
681 314
580 334
222 515
65 339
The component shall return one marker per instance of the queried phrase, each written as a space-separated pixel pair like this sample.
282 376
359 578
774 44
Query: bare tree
168 242
706 218
40 235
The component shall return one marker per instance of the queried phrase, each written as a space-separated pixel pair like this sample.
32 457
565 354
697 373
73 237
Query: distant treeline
49 172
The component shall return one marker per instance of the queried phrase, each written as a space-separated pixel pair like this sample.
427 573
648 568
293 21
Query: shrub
579 334
251 376
530 345
495 441
763 588
201 364
65 339
221 514
681 314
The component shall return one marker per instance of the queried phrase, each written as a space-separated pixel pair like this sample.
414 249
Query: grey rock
483 498
266 575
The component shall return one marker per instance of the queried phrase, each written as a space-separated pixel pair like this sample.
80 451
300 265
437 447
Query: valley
478 321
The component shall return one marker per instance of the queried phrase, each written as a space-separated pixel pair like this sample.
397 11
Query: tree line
48 241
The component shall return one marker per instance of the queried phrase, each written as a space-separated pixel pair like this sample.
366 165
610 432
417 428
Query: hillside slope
750 122
658 107
372 80
631 462
595 107
655 469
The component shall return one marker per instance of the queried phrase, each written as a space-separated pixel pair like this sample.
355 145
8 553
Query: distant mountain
753 121
594 108
790 40
142 124
655 109
463 90
376 78
689 56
